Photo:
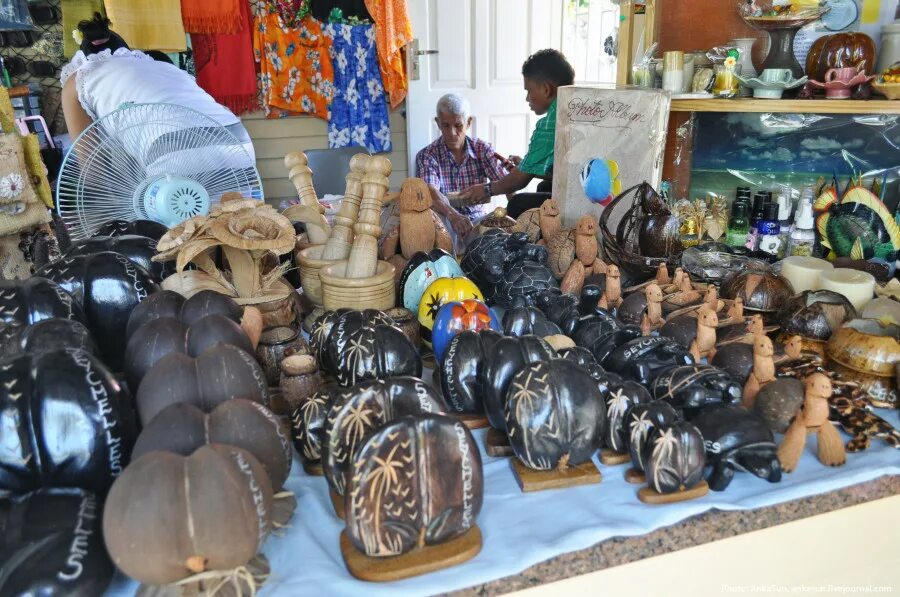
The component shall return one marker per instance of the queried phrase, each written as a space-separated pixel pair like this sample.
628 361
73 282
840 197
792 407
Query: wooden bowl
888 90
310 263
279 307
374 292
867 351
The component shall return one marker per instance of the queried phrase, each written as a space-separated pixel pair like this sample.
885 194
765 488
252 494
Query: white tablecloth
520 529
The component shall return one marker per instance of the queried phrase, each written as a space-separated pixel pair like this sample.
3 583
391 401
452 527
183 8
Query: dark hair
98 37
549 66
159 56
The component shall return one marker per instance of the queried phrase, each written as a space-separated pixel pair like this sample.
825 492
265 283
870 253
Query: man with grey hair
455 161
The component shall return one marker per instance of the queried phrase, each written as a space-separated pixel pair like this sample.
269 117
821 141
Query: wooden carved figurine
763 369
540 223
338 245
736 311
310 211
793 348
704 345
652 318
711 299
675 284
586 259
813 418
662 275
612 295
419 228
363 258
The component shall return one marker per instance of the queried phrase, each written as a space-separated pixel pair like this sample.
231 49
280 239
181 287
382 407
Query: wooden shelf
823 106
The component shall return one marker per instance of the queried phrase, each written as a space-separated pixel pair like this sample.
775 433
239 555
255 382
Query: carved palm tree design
355 424
640 428
522 397
663 455
308 412
618 406
384 478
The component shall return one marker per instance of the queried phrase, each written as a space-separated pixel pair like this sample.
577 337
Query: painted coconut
454 317
47 334
439 293
24 302
623 394
421 270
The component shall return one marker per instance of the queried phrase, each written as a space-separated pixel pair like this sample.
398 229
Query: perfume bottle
759 200
785 206
690 234
738 223
769 230
803 235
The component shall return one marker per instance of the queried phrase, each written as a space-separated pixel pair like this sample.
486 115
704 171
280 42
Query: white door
481 45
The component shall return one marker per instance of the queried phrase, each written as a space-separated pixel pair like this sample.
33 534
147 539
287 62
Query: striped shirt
437 167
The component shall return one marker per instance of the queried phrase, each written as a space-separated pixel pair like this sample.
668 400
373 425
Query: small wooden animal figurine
736 311
540 223
711 299
652 318
662 275
419 228
675 284
612 295
574 255
793 348
704 345
763 368
813 418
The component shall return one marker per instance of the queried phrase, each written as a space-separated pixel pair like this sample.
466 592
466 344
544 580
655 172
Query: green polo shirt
539 158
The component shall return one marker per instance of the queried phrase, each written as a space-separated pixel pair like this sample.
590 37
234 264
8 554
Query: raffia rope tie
221 578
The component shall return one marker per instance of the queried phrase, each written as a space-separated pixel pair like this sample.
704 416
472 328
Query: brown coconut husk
243 581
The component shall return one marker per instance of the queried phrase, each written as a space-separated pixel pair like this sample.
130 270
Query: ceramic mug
840 74
776 75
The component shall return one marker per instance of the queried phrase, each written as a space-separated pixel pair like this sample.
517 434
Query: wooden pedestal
651 496
314 469
419 561
337 502
612 458
472 420
497 444
532 480
636 477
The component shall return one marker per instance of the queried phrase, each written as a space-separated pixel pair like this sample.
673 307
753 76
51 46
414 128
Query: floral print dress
359 111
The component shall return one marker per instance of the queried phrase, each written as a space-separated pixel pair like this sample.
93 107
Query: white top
107 80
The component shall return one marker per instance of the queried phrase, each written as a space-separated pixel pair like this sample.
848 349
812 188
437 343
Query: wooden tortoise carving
419 228
540 223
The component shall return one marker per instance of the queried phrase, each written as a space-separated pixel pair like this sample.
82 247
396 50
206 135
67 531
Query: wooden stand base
429 362
651 496
419 561
633 476
472 420
337 502
314 469
283 509
532 480
612 458
497 444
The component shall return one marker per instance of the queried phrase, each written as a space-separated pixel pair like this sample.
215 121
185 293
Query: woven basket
621 246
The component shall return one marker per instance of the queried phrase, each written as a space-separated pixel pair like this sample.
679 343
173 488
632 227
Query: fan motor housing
172 199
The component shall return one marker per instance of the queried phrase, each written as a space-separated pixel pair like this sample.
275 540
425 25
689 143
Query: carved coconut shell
623 394
641 420
736 359
321 331
562 252
633 307
182 428
760 290
815 314
358 411
47 334
659 236
692 387
498 219
555 415
308 423
509 355
682 329
529 222
24 302
418 478
676 458
462 370
778 402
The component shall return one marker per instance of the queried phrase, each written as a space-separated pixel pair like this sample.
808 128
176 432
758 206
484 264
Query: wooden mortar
373 292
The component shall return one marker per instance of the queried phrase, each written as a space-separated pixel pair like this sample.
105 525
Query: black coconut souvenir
693 387
643 359
735 358
68 423
357 412
417 481
324 324
47 334
138 249
602 337
585 359
633 307
737 439
171 304
108 286
522 321
52 545
675 459
623 394
359 350
555 415
24 302
308 426
148 228
509 355
815 314
462 370
640 422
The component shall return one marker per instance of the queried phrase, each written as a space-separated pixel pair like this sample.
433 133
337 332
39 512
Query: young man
543 73
455 161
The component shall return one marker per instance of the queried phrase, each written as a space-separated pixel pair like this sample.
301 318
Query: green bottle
738 224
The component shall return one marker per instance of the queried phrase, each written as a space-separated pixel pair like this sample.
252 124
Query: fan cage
108 169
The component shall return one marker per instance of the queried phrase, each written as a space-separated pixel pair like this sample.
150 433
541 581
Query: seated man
543 73
455 161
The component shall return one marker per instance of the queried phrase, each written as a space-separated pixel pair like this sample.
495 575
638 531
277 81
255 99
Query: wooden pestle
338 245
301 176
363 259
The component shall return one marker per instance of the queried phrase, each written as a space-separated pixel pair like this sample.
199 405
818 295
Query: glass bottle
759 200
738 224
803 234
769 229
785 205
690 234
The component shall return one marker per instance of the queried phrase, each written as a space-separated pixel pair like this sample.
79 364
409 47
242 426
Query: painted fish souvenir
676 458
600 180
736 440
508 356
858 225
693 387
216 375
148 228
778 402
643 359
108 287
521 321
138 249
414 483
640 421
39 557
760 290
68 423
197 537
456 316
47 334
463 368
555 415
622 396
182 428
357 412
358 350
439 293
324 324
308 427
423 269
24 302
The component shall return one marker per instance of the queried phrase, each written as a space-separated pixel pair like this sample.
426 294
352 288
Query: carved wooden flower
172 241
258 229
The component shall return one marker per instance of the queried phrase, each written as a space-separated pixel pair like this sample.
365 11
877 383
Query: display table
546 529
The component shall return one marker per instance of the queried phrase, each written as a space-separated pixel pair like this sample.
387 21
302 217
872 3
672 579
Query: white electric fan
160 162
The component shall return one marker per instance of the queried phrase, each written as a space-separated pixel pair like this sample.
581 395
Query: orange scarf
211 16
392 32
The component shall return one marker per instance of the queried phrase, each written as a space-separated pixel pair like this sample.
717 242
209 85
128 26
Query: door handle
425 52
412 58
